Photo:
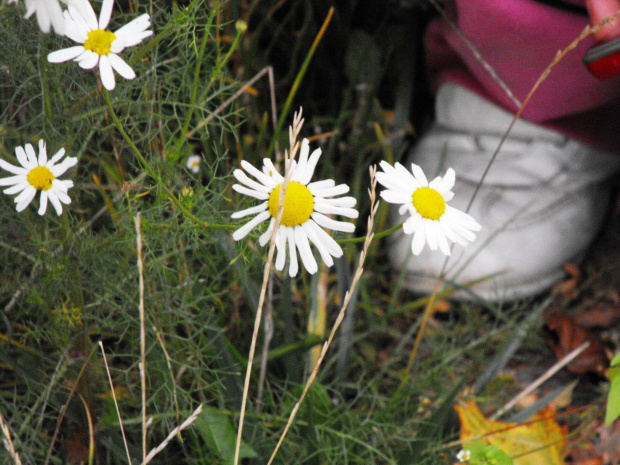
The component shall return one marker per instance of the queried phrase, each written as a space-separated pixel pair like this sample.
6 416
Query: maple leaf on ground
539 441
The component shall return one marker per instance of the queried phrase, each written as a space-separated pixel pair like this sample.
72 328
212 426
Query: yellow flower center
99 41
429 203
41 178
298 204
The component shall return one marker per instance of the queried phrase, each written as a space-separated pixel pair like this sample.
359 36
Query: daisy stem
196 79
387 232
156 177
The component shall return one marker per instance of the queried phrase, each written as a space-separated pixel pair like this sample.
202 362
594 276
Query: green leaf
613 401
616 360
218 432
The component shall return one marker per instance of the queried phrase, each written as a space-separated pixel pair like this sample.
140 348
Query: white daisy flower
193 163
463 456
38 175
432 220
306 205
49 14
98 45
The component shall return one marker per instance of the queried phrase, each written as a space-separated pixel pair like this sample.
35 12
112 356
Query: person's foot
541 205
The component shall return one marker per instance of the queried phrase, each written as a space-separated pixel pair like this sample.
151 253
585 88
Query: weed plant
71 282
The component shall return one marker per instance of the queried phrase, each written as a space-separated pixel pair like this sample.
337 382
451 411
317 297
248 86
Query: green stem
387 232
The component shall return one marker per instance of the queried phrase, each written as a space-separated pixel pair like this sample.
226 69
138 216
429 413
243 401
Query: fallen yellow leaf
539 441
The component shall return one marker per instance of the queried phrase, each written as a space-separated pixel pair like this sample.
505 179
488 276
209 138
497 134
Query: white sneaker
541 205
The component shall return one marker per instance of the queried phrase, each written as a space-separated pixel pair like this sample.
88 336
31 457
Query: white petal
431 236
244 190
334 225
307 258
412 224
310 232
105 13
272 171
281 247
88 59
328 209
246 228
318 185
65 54
266 236
397 197
43 203
55 202
326 240
13 180
419 239
42 153
331 191
62 185
302 160
59 169
24 199
121 66
17 188
13 169
62 196
84 12
444 246
134 31
294 266
77 32
57 156
258 174
244 179
23 159
31 154
419 174
309 171
250 211
106 73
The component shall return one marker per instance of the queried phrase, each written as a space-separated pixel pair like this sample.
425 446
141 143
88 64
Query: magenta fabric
519 38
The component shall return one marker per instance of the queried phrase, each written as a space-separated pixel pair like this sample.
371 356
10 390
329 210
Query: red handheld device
603 60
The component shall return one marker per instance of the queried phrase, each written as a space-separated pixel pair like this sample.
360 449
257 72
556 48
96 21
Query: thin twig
477 55
8 442
374 203
541 379
267 70
118 412
588 30
142 364
172 434
63 411
268 334
168 362
294 146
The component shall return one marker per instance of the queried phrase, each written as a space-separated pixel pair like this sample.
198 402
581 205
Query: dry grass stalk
8 441
477 55
118 412
358 274
142 364
63 411
174 383
172 434
541 379
294 131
